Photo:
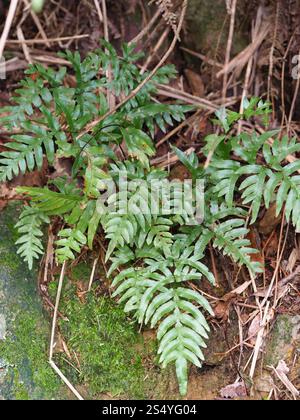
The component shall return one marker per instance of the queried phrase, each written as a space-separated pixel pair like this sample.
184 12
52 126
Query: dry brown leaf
293 259
254 329
196 83
254 238
256 325
281 372
236 390
222 309
269 222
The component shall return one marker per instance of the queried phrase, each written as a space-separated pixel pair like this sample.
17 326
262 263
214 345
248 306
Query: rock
2 327
283 340
24 369
204 28
263 384
283 344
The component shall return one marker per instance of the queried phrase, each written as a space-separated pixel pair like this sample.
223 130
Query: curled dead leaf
269 222
196 83
236 390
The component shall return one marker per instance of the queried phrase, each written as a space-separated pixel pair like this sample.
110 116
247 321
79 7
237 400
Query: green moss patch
25 352
110 354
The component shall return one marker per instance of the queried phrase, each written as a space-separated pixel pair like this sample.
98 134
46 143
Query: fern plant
260 171
156 245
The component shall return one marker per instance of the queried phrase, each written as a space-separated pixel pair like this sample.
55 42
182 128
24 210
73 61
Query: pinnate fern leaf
31 234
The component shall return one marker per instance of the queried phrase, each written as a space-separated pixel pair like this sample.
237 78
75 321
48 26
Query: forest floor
223 56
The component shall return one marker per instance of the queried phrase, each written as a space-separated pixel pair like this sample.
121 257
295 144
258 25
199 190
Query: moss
81 272
25 351
280 340
21 393
106 343
208 27
109 353
112 355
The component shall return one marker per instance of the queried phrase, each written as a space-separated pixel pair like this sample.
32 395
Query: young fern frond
262 183
71 241
157 297
30 230
50 202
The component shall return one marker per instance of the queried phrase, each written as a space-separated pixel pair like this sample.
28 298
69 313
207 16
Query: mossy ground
110 357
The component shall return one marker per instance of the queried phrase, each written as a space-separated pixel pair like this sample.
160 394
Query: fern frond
27 152
139 144
156 295
120 230
29 228
72 240
130 284
50 202
230 238
262 184
95 177
158 234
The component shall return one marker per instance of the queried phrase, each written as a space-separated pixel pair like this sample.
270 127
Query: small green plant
155 253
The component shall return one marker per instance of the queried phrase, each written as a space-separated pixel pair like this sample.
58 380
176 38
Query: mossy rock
114 359
284 340
207 27
110 357
24 369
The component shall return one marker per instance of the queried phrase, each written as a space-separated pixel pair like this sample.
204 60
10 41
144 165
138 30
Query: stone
24 369
2 327
283 340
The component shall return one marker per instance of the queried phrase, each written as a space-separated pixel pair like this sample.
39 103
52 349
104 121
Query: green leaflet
156 296
71 241
50 202
31 234
259 183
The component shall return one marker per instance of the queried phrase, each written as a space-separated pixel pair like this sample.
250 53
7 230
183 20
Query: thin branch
229 44
7 26
54 322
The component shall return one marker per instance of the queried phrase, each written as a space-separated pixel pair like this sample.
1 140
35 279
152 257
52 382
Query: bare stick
156 49
229 45
294 102
93 274
65 380
110 96
24 46
100 15
203 58
54 321
259 341
7 26
146 29
50 40
37 23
